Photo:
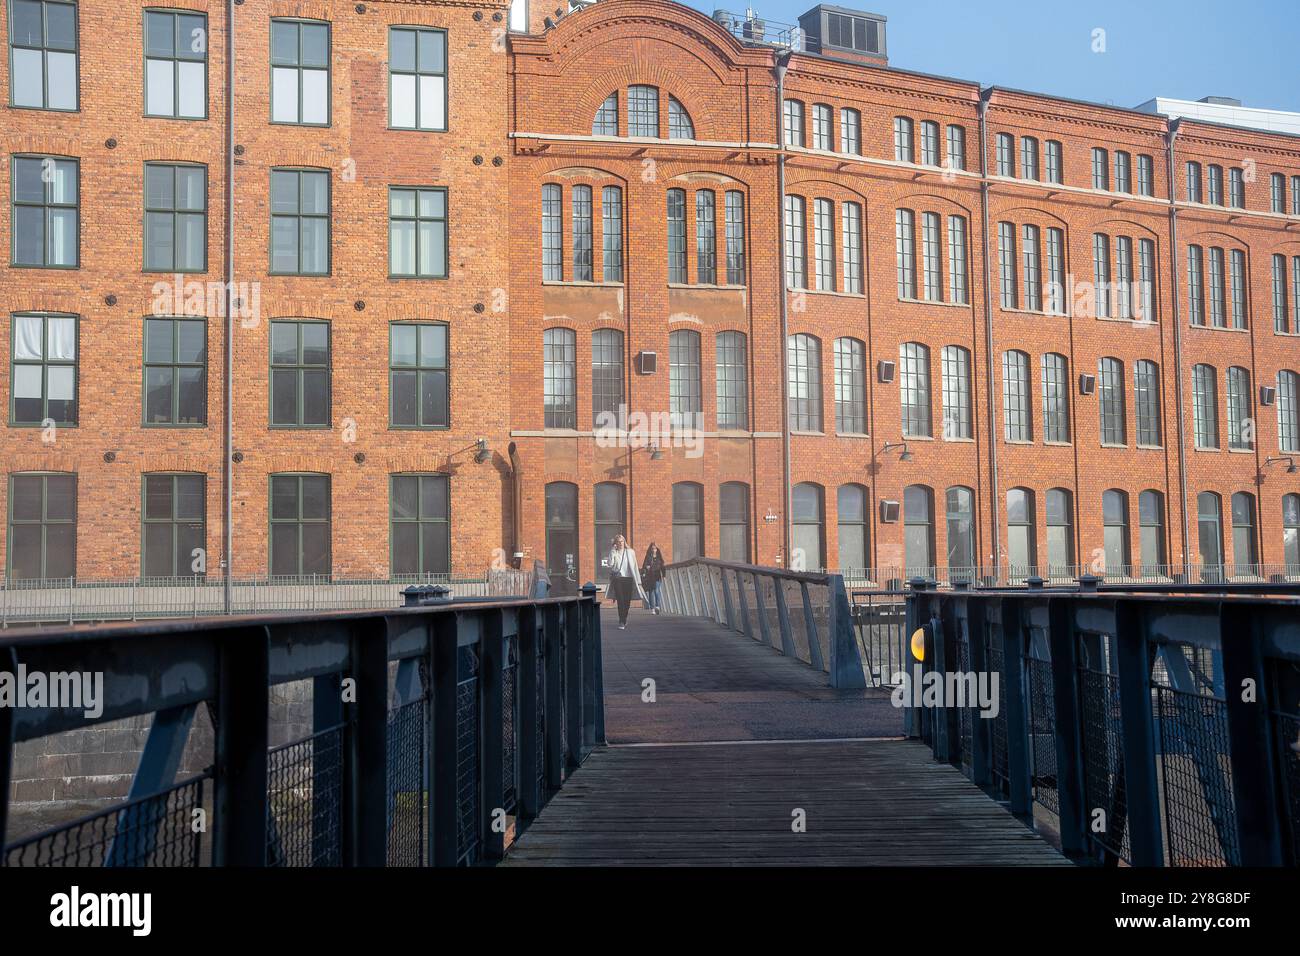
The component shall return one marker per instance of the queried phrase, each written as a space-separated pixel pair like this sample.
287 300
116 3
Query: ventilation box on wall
1267 394
645 363
888 511
1087 384
885 371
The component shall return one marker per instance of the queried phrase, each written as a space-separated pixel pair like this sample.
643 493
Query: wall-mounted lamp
655 453
483 453
1290 463
905 456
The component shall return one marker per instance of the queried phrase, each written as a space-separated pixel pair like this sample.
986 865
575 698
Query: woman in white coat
624 577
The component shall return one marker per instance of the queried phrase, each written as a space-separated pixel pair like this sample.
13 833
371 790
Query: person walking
624 578
652 577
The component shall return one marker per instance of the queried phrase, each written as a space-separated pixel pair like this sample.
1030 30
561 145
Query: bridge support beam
1141 790
846 659
1069 720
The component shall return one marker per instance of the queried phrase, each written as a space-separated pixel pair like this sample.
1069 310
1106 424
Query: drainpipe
516 494
985 95
787 530
227 466
1170 140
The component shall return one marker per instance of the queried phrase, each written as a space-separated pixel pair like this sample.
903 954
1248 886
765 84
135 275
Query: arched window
1151 522
1240 422
643 111
1060 532
1291 534
733 522
606 377
1205 412
580 217
794 126
706 237
960 503
1146 402
1209 526
676 244
684 397
850 386
552 233
1245 554
1110 401
1288 411
560 378
851 519
679 121
1114 518
732 379
956 392
688 521
605 122
914 388
1056 398
611 233
804 362
821 126
1021 545
809 533
610 512
1016 410
918 531
904 152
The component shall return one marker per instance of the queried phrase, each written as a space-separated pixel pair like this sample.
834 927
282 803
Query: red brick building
435 252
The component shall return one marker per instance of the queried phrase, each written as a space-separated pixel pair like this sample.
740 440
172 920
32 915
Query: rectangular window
1236 189
821 126
706 238
300 525
850 387
420 524
1193 182
175 64
1280 320
300 72
560 378
643 111
1124 276
300 374
173 533
1295 293
850 132
43 54
1054 161
930 254
956 393
1277 192
677 235
957 260
46 218
1110 401
685 398
1295 195
1100 169
175 371
552 234
175 218
905 236
1033 270
824 245
796 260
1101 274
1288 411
1239 401
1217 293
300 222
1146 402
732 380
1015 396
929 143
418 393
42 527
1205 403
1146 176
1055 271
851 243
1006 155
606 377
794 130
43 373
1029 157
1123 172
1007 265
1146 293
1195 285
903 151
1237 280
956 147
735 227
1056 399
417 78
611 233
580 198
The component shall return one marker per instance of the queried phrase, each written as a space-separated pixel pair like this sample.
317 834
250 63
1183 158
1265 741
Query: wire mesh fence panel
1200 813
1103 762
998 724
563 709
964 713
157 830
304 800
467 755
509 716
879 628
1042 733
1288 755
407 774
541 722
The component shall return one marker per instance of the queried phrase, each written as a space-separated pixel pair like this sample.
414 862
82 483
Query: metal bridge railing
804 616
1160 728
436 729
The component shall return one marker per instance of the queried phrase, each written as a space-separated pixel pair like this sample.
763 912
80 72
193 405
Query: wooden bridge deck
738 739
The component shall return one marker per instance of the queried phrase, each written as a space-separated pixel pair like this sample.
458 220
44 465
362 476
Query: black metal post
239 792
367 761
442 801
1141 789
491 820
1019 770
530 796
1069 748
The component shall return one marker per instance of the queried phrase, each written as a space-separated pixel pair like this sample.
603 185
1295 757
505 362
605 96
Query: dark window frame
175 365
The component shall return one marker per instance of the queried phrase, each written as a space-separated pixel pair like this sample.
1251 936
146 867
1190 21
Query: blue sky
1186 49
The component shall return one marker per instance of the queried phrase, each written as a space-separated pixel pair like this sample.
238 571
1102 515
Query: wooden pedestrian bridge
761 720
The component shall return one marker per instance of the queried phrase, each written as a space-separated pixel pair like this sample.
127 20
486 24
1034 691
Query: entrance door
562 536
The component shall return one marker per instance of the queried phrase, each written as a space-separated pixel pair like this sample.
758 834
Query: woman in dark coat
652 577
